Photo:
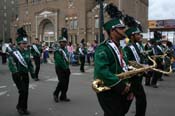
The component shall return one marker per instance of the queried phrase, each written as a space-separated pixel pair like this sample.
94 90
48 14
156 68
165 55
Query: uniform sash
81 52
140 47
20 58
36 49
154 51
9 49
135 53
119 55
64 54
160 48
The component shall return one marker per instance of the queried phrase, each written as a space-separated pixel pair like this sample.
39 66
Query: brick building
46 19
8 13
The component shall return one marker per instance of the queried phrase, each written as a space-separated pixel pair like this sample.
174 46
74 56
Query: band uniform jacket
130 54
34 53
60 61
107 65
15 66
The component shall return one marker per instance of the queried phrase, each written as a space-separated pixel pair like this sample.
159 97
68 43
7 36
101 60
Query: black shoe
17 107
55 98
65 100
147 84
26 112
82 71
154 86
20 111
36 79
23 112
161 79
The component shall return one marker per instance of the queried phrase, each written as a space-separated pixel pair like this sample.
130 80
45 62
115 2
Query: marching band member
36 51
20 64
110 60
133 53
82 52
148 47
157 50
62 70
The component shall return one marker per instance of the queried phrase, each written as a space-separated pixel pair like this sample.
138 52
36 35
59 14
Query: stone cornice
47 9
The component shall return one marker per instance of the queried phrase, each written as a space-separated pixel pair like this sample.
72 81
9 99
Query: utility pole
3 33
100 2
2 22
119 5
4 25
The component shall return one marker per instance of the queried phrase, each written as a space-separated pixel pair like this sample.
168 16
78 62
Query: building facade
48 19
8 13
165 27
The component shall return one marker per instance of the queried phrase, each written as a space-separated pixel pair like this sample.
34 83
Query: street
83 99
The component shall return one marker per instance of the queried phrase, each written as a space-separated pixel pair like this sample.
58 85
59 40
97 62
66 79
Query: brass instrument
146 52
161 71
164 72
159 56
135 68
98 86
153 68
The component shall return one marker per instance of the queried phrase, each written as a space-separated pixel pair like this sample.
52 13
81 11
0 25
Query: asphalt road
83 100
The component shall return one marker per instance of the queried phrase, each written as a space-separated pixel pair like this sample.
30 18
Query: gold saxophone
135 68
146 52
161 71
159 56
98 85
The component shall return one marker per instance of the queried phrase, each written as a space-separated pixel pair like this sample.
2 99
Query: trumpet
135 68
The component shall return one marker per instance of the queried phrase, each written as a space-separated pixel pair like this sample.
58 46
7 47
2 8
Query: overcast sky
161 9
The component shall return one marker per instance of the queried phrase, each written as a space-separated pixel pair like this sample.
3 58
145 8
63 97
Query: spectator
45 54
70 49
173 60
82 52
90 53
3 54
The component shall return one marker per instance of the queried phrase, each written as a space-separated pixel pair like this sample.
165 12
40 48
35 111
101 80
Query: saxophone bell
98 86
